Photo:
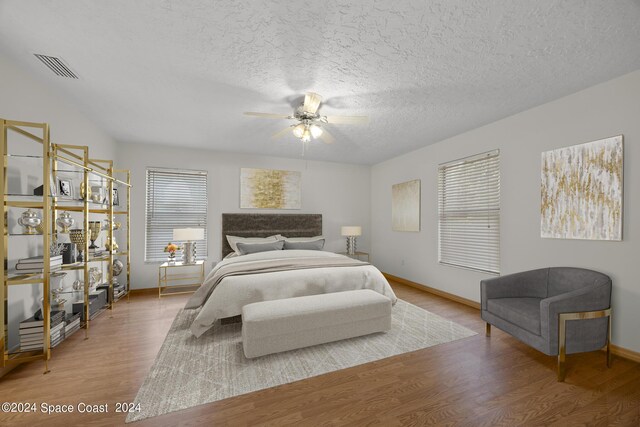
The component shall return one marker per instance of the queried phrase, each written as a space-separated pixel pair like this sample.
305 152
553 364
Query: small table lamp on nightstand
188 235
351 232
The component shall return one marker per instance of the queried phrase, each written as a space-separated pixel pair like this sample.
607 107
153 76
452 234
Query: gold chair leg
562 347
487 329
609 343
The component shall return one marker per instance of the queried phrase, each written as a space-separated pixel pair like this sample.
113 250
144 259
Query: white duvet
234 292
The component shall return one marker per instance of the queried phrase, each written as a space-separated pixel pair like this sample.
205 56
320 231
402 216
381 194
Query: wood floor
477 381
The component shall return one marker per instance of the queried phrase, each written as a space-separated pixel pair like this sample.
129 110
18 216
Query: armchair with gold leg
557 310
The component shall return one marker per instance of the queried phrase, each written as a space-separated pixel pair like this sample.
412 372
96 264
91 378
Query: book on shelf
29 333
56 317
38 261
31 347
37 270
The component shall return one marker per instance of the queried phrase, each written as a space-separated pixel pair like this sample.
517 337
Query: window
469 212
175 199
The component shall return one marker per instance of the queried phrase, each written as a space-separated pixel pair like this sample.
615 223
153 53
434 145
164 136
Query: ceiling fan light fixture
306 136
298 131
316 131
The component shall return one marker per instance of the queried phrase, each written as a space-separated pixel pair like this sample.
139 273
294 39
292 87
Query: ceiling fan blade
347 120
267 115
311 102
281 133
326 137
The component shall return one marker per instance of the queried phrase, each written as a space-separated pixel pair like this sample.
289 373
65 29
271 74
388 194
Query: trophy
94 232
29 220
65 221
77 236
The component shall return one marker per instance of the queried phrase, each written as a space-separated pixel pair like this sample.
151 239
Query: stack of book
36 264
73 324
32 332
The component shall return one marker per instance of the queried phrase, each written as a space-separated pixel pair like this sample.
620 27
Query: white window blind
469 212
175 199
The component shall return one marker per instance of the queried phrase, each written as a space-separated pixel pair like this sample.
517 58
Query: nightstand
173 283
357 255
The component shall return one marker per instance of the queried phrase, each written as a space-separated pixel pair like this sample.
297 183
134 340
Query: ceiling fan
309 123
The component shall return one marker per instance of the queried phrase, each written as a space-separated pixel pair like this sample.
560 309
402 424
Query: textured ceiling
182 72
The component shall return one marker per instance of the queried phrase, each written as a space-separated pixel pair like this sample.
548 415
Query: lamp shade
351 230
186 234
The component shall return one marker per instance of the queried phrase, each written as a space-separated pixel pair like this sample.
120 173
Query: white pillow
302 239
234 240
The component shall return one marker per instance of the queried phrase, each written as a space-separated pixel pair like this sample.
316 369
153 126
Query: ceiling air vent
57 66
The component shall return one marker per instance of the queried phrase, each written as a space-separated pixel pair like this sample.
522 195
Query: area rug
191 371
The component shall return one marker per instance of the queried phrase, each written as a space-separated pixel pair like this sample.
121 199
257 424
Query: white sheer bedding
234 292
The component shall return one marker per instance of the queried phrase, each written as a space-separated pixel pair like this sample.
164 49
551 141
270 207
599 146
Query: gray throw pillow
252 248
314 245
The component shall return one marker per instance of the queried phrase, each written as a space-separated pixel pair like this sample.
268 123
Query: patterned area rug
189 372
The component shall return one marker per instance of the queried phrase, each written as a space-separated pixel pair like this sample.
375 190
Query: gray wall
608 109
340 192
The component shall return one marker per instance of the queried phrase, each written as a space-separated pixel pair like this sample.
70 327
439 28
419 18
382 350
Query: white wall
25 98
338 191
608 109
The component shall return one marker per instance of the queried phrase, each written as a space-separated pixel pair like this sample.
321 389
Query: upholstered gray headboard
265 225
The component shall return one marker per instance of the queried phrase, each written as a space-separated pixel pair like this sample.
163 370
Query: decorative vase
29 220
77 236
65 222
171 258
94 232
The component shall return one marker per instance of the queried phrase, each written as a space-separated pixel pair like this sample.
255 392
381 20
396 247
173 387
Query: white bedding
234 292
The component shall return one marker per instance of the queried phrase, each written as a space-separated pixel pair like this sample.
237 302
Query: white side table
167 278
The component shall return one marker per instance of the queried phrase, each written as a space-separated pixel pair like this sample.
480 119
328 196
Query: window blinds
469 212
175 199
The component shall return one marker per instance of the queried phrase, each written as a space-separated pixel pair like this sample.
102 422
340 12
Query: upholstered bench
287 324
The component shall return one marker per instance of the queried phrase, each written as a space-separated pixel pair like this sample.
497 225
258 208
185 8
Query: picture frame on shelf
114 197
65 189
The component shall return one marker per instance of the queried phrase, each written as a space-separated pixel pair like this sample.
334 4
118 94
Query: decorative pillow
312 245
301 239
233 241
252 248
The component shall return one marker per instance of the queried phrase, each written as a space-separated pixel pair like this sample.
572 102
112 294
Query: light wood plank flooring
477 381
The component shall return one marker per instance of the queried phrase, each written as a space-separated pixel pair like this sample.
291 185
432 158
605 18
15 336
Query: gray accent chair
557 310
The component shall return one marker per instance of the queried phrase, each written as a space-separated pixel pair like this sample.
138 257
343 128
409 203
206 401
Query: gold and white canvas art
269 189
582 191
405 206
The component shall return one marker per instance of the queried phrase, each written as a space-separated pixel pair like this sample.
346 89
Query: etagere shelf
68 163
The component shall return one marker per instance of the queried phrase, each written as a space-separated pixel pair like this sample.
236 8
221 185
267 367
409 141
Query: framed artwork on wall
405 206
269 189
581 191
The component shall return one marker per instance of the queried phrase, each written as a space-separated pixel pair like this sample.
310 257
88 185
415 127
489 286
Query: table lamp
351 232
188 236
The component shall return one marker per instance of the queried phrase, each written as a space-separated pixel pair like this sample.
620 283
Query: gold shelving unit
54 157
78 156
39 133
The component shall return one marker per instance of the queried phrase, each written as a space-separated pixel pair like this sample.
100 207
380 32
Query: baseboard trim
433 291
622 352
625 353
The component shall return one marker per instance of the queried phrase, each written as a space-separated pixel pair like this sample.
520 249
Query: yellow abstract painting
581 191
269 189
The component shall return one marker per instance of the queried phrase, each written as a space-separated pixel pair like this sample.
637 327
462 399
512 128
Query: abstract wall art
581 191
405 206
269 189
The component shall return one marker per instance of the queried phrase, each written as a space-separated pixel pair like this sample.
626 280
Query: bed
235 282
